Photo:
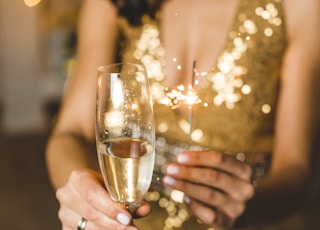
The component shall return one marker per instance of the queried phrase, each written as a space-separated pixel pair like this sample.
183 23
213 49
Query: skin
222 195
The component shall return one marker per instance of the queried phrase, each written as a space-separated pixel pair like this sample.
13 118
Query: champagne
127 167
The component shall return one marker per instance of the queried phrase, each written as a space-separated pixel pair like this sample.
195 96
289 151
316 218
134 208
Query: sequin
268 32
237 95
241 80
266 108
270 13
196 135
163 127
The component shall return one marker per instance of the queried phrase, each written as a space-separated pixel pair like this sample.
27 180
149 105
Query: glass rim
106 68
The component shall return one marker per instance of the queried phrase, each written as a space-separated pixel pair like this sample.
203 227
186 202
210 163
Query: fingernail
186 199
169 180
172 169
123 219
183 158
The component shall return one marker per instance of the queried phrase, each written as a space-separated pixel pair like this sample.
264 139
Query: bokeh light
32 3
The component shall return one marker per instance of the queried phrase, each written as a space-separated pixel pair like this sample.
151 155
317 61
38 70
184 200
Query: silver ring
82 223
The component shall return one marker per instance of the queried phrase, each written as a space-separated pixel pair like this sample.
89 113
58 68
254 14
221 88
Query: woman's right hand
84 195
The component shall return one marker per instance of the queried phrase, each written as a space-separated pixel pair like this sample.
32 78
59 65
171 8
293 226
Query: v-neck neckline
225 43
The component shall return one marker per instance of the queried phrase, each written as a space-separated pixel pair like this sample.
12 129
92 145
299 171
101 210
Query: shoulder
95 15
99 9
302 16
302 20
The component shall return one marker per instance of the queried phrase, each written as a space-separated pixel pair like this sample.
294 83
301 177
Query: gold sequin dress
237 98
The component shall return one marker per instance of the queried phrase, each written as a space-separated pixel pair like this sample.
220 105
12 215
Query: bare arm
71 145
297 117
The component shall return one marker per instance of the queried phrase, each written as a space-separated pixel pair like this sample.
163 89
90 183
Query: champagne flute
125 134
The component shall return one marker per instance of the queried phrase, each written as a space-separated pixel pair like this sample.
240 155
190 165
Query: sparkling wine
127 167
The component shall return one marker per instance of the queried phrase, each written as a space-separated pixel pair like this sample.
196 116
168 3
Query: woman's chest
236 76
194 31
235 55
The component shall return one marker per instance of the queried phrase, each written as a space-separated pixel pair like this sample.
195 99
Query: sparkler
180 95
191 105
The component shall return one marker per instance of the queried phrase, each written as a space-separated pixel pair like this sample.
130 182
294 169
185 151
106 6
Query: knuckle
245 193
211 196
236 211
220 158
90 194
212 219
76 174
247 171
91 214
249 191
59 194
213 175
60 214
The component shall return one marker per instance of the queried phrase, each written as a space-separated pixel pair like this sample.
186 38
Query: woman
256 77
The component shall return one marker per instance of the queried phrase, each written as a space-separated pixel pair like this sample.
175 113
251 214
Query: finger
211 197
70 220
68 196
210 216
68 217
216 160
143 210
100 207
235 187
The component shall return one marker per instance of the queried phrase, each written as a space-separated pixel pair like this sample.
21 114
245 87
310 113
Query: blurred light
134 106
163 127
184 125
241 157
246 89
268 32
32 3
266 108
197 135
177 196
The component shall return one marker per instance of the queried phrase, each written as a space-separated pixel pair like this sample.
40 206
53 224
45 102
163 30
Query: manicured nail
172 169
186 199
183 158
169 180
123 219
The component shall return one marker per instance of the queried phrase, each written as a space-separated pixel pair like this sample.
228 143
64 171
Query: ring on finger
82 223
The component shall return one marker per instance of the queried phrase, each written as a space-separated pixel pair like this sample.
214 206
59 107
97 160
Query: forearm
276 197
67 152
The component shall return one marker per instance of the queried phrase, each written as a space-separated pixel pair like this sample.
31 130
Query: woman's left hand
216 185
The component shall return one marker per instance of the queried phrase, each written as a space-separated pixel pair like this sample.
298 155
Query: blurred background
36 50
37 39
